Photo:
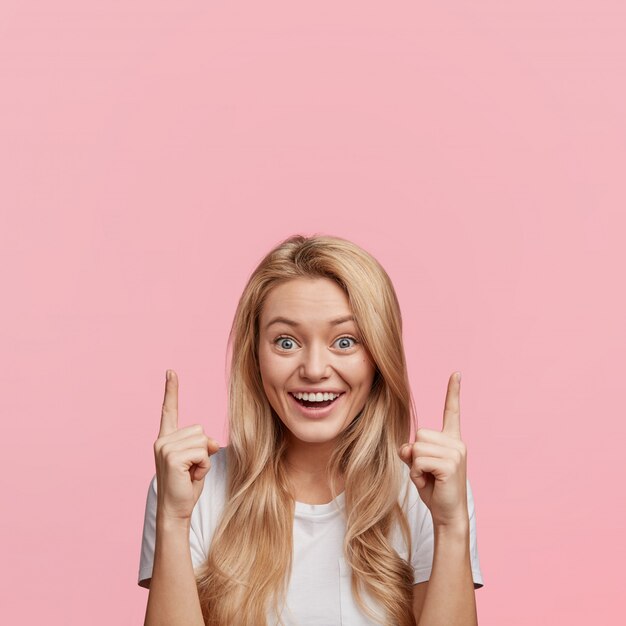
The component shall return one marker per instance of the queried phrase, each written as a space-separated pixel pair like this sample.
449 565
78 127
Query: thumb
406 453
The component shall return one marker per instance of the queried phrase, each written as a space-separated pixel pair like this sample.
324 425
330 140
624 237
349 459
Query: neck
308 458
306 465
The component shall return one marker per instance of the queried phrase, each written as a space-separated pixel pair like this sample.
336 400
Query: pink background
152 152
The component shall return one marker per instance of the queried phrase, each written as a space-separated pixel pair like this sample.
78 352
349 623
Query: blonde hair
241 577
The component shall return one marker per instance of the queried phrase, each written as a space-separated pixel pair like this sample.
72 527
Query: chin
315 435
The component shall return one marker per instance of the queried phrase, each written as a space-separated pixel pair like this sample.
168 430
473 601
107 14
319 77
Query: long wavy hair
249 562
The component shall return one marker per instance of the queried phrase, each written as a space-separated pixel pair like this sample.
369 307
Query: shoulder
209 507
415 512
219 463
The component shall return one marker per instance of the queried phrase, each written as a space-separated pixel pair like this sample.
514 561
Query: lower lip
314 413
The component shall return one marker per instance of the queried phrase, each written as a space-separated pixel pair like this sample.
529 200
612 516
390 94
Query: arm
438 468
182 462
173 599
448 598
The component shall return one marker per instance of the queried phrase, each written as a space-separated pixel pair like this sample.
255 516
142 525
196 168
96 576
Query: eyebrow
335 322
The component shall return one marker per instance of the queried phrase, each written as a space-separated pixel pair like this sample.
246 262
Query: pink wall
152 152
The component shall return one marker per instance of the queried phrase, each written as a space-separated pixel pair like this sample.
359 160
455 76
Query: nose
315 364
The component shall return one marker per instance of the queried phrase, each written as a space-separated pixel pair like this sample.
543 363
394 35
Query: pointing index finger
452 408
169 413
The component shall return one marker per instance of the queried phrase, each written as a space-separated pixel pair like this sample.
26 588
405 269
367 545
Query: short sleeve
146 559
422 559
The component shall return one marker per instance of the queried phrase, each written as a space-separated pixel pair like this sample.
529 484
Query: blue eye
285 343
344 342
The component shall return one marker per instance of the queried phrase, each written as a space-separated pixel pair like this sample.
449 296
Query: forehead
306 299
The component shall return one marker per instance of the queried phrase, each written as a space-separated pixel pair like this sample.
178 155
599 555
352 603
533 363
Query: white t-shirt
319 592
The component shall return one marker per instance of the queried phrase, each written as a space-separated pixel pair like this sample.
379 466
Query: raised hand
438 463
181 458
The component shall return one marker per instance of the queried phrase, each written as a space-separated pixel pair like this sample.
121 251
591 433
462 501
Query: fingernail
167 375
458 377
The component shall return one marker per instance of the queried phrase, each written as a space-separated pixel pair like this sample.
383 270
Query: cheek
360 372
273 371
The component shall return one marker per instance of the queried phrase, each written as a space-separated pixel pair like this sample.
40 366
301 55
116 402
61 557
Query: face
308 345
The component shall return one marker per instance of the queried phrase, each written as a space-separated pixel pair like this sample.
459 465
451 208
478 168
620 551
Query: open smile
314 408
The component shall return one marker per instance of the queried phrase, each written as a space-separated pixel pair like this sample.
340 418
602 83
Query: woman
315 513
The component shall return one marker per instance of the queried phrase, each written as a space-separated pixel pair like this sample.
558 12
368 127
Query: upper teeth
316 397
